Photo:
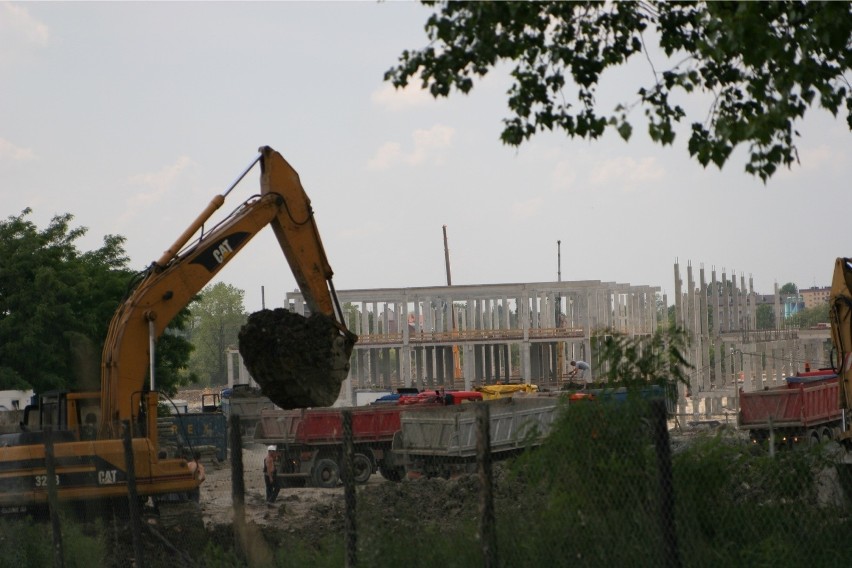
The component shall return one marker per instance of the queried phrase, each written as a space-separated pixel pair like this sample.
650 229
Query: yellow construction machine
86 429
840 315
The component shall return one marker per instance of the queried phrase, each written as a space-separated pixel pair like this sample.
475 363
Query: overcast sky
132 116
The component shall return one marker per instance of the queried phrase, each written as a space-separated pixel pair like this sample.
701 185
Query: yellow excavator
840 315
86 429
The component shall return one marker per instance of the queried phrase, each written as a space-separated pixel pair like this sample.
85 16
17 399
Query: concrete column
713 325
678 298
725 320
387 368
760 376
405 352
790 362
771 364
690 300
418 317
419 371
468 365
748 366
779 316
534 310
429 314
506 313
752 299
717 363
507 360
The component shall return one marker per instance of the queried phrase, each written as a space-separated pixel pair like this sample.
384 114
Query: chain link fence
527 481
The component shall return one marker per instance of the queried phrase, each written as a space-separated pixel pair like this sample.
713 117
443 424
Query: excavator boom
170 283
840 314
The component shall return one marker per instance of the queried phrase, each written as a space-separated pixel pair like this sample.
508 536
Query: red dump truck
805 409
310 441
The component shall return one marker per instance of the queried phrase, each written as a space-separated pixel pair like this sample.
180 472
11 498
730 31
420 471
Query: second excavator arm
840 315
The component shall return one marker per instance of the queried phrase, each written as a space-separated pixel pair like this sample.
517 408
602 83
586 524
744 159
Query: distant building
15 399
760 299
793 304
813 297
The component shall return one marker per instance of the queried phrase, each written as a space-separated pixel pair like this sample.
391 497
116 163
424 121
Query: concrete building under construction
471 335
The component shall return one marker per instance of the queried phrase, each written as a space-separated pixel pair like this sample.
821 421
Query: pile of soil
298 362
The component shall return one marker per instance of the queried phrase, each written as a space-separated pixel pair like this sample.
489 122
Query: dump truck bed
325 425
804 401
451 431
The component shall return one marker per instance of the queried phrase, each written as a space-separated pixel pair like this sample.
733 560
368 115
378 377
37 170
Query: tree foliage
810 317
764 64
789 289
218 315
56 304
642 360
765 317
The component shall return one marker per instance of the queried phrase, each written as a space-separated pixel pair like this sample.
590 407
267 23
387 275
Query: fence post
53 498
664 464
487 526
351 533
771 438
133 497
238 486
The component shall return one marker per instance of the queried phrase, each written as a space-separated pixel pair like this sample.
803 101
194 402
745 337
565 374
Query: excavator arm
171 282
840 314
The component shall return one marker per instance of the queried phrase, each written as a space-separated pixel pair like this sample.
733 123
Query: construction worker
580 371
269 477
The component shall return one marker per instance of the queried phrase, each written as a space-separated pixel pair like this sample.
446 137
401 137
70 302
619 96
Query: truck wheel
813 437
326 474
362 468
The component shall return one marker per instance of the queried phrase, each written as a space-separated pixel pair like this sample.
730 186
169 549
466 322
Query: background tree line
56 304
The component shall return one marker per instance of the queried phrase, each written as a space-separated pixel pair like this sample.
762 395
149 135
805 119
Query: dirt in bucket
298 362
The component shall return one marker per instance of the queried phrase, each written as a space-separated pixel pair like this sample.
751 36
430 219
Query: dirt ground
295 508
290 510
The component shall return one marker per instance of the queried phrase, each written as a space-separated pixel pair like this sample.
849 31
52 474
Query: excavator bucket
298 362
840 313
